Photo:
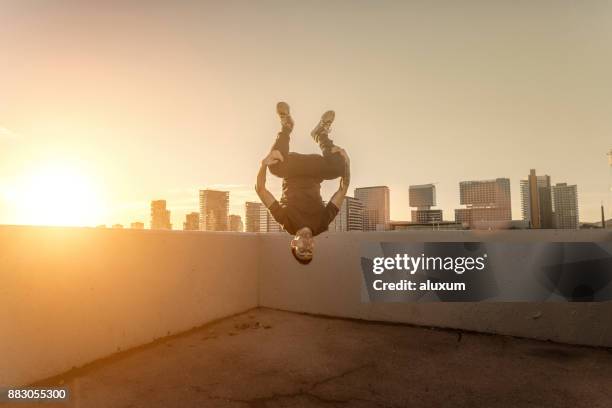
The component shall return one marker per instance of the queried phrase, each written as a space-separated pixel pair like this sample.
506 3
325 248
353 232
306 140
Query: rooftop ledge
70 296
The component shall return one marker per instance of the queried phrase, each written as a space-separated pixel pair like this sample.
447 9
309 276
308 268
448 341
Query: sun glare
55 195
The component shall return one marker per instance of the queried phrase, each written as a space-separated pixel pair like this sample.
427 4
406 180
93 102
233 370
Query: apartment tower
214 207
350 216
160 216
376 207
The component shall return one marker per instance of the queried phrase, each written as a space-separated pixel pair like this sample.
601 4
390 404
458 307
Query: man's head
302 245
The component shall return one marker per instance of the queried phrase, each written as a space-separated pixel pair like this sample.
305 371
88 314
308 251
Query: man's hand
272 158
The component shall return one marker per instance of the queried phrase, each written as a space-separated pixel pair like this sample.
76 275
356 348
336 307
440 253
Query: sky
106 106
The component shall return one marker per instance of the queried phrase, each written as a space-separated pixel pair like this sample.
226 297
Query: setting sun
55 194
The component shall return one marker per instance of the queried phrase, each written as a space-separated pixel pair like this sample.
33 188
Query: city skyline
242 213
105 108
489 199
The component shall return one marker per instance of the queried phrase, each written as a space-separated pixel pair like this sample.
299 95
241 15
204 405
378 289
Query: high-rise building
263 218
376 207
235 223
423 197
271 224
214 206
350 216
486 200
546 207
267 223
253 214
160 216
137 225
192 222
259 219
565 204
540 203
534 200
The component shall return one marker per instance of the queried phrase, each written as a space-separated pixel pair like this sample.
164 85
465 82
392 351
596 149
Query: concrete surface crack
341 375
261 402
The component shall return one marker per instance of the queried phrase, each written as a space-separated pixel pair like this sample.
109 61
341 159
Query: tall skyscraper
350 216
423 197
214 207
259 219
192 222
235 223
565 203
376 207
486 200
539 203
253 214
546 207
534 200
160 216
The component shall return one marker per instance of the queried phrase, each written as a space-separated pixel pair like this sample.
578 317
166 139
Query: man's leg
333 166
328 166
282 140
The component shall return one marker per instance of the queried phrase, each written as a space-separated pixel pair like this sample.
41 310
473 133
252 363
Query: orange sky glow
104 108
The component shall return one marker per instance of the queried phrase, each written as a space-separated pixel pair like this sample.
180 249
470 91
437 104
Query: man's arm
265 196
339 195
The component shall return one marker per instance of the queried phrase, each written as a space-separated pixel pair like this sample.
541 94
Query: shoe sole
324 125
328 117
282 108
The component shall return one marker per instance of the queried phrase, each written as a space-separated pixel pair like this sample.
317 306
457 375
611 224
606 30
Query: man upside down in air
301 210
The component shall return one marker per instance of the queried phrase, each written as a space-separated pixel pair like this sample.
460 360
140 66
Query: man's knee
337 162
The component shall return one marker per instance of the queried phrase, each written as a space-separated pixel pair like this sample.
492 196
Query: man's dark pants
327 166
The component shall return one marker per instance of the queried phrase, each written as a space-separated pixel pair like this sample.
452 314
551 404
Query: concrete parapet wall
332 285
69 296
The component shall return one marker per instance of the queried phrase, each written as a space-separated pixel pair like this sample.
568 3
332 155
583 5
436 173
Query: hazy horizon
107 106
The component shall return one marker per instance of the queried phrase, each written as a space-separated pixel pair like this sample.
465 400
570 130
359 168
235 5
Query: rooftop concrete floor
267 358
